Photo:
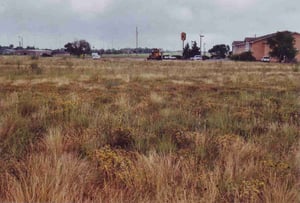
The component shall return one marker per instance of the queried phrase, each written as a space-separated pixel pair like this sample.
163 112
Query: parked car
196 57
172 57
265 59
169 57
95 56
166 57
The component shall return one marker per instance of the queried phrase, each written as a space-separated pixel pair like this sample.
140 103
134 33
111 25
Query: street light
201 36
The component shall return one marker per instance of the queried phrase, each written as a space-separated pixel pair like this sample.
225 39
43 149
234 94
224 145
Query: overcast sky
112 23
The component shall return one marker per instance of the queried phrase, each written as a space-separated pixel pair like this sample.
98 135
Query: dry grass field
113 130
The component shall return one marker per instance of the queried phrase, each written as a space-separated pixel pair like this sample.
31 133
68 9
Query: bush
121 138
113 164
245 56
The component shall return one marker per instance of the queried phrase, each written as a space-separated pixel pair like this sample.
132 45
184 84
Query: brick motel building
259 47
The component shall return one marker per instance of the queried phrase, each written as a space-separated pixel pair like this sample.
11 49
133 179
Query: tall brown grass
74 130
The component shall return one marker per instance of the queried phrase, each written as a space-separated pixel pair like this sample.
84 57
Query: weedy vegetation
120 130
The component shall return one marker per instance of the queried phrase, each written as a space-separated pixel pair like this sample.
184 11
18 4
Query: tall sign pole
201 36
183 38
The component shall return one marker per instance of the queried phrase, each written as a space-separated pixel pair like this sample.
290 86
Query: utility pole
201 36
136 39
20 41
19 38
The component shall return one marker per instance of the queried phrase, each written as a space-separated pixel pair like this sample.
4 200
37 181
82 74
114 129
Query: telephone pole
136 39
20 41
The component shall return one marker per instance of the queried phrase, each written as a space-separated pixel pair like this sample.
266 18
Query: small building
259 46
33 52
60 52
6 51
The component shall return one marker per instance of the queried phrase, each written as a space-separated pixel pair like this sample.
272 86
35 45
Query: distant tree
30 47
186 51
282 46
190 52
78 47
195 49
19 48
219 51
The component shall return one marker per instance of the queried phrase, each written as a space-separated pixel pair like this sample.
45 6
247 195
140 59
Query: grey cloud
52 23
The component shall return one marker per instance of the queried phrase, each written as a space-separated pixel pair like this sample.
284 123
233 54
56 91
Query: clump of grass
296 67
17 136
44 178
35 68
34 57
109 84
69 64
19 63
27 107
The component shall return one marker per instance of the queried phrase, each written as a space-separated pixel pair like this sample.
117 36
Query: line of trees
126 51
282 46
82 47
191 52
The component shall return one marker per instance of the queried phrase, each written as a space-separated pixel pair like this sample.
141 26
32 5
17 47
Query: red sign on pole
183 36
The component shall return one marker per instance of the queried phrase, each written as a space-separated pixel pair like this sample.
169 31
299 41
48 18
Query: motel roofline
257 39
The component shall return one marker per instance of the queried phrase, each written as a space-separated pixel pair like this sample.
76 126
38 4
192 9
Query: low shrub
121 138
245 56
113 164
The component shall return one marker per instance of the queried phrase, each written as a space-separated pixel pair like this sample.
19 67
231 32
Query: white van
95 56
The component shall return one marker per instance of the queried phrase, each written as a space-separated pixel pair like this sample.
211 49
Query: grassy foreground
75 130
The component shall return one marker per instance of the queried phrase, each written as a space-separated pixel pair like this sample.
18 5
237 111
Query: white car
196 57
95 56
265 59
